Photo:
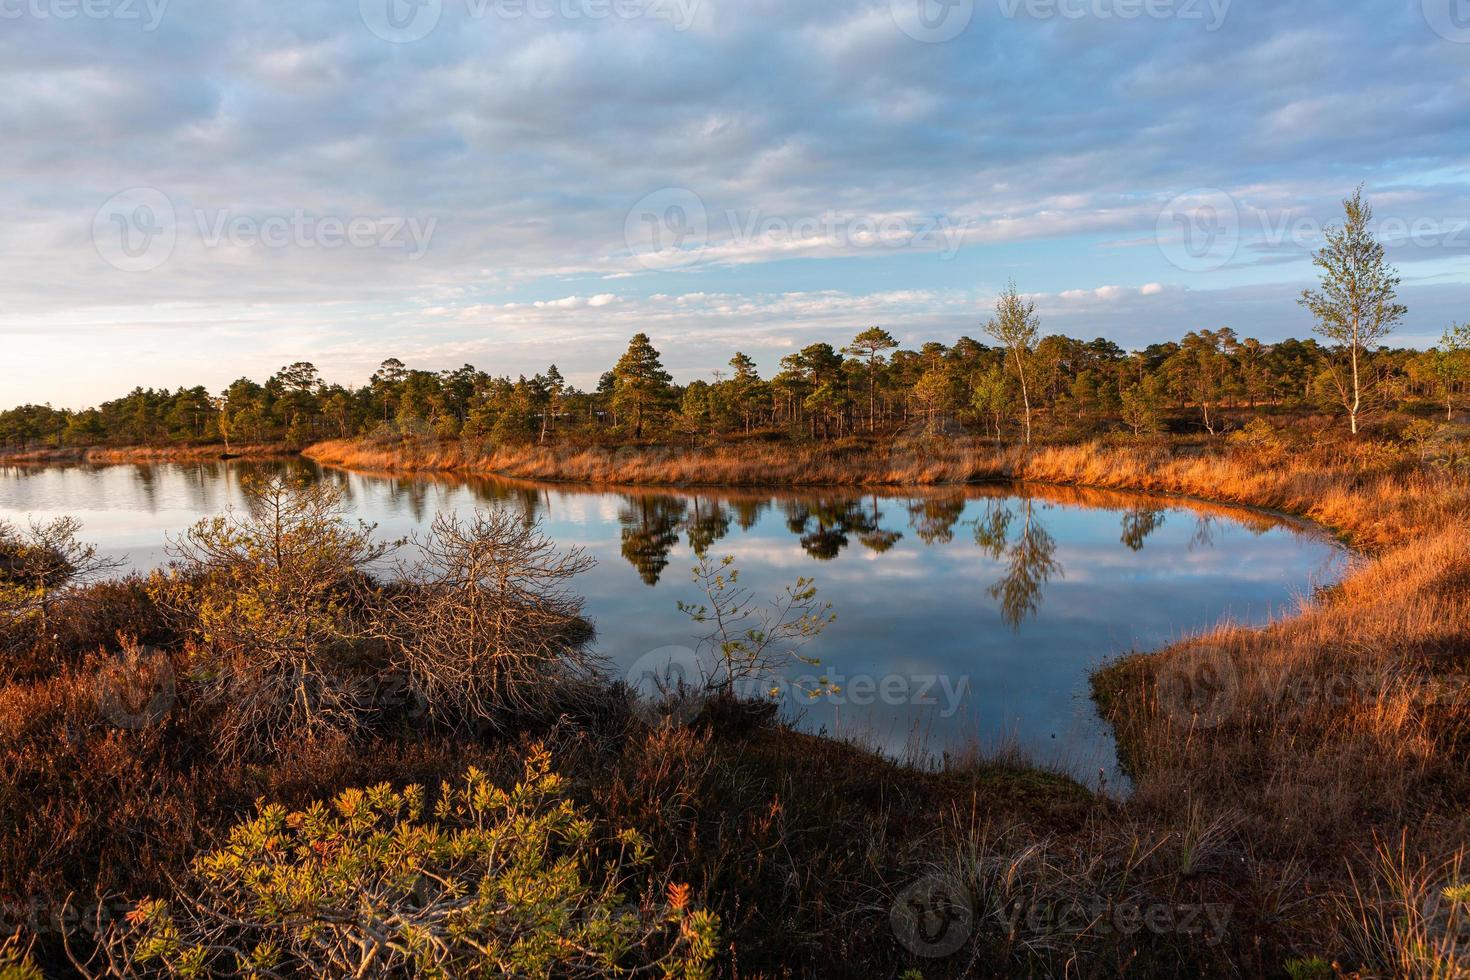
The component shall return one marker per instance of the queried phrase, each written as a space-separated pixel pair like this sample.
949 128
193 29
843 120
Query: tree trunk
1357 392
1025 395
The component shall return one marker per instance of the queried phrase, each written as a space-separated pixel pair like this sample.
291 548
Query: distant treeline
1073 387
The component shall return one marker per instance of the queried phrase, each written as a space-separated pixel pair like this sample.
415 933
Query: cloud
1046 148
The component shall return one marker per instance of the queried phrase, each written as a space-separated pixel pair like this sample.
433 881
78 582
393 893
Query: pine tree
641 386
870 345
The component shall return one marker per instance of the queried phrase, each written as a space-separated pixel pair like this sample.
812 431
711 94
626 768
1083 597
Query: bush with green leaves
16 964
482 882
274 597
752 640
40 562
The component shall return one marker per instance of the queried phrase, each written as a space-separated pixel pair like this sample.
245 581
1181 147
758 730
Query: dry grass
150 454
1317 798
1327 733
846 463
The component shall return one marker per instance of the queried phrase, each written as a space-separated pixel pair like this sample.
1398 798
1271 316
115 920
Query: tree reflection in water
876 538
1008 530
933 518
826 526
1138 524
650 529
708 524
823 526
1030 564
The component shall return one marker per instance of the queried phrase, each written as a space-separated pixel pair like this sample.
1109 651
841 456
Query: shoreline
1234 510
1304 786
1156 469
207 452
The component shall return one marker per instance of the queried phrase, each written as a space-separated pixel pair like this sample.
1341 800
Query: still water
965 618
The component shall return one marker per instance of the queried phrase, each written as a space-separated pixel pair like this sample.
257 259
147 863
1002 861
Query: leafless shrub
485 626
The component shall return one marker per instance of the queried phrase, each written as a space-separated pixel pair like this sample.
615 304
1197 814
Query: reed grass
1318 805
1343 725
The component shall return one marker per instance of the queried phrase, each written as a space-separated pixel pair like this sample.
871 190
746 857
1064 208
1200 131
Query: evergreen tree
870 345
641 386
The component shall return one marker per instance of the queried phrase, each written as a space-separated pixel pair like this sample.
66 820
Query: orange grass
1335 731
150 454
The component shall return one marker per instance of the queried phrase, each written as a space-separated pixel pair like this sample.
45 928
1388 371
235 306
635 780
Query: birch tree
1355 306
1016 325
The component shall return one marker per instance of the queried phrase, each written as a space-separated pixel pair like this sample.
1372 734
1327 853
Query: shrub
16 965
275 599
484 625
749 639
495 882
1259 437
39 563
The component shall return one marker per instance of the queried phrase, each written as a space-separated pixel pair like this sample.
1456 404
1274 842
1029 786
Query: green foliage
272 597
870 345
751 639
15 964
1451 363
641 386
1140 408
1355 306
1313 968
1057 385
1420 433
1258 436
482 882
993 397
1200 371
40 561
1016 326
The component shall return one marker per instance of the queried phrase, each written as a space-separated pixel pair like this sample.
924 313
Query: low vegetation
1302 784
491 882
294 752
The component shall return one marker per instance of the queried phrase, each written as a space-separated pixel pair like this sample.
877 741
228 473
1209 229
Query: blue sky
199 189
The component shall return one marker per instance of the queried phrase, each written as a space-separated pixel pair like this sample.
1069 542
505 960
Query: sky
203 189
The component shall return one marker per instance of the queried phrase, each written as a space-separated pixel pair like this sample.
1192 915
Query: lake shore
106 455
1320 756
1336 732
1317 490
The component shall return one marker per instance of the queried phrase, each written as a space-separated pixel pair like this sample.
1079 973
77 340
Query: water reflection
1029 558
1010 593
651 526
1008 528
1139 523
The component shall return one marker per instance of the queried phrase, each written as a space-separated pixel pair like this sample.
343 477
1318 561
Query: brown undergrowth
1321 759
1299 805
188 453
